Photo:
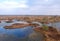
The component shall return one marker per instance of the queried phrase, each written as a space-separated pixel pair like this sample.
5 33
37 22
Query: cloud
41 7
13 4
33 7
46 0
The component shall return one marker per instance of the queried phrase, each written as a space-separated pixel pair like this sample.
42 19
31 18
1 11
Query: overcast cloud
30 7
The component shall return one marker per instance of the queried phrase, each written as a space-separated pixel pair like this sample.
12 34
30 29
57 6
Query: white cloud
38 7
46 0
13 4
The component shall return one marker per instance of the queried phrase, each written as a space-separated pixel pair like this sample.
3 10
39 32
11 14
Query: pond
20 34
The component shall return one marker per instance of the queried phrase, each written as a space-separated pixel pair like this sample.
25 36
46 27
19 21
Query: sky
29 7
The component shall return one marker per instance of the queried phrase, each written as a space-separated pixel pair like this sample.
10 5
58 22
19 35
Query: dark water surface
21 34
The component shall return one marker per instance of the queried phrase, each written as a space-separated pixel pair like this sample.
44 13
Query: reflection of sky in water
23 32
17 33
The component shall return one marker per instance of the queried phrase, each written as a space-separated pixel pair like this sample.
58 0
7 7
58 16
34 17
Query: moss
45 27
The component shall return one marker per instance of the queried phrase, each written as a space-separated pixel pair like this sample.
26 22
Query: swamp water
20 34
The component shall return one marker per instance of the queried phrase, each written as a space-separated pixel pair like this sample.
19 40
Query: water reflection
21 34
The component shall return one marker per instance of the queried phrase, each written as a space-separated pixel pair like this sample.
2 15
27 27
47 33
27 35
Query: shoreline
50 35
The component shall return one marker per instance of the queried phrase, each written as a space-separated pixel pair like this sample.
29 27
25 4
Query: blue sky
29 7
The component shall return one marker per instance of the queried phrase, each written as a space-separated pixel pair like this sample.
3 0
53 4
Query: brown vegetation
50 35
9 21
0 21
32 18
17 25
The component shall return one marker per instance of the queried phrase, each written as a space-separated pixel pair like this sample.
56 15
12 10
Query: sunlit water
20 34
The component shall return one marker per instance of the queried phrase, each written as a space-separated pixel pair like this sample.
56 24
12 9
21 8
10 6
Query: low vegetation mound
50 35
